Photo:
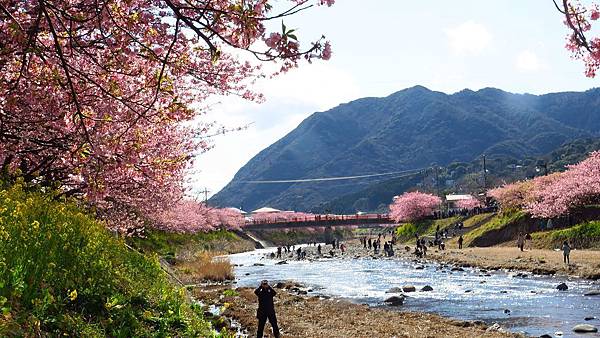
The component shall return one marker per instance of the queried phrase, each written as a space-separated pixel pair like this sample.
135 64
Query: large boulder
562 287
394 300
592 293
427 288
409 288
585 328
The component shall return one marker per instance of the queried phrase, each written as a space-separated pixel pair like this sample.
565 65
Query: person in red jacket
266 308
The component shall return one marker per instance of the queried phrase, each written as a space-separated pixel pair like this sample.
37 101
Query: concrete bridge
361 221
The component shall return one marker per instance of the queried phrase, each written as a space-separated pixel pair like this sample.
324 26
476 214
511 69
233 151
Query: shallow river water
534 305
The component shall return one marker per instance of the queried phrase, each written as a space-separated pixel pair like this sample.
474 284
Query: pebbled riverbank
315 316
584 263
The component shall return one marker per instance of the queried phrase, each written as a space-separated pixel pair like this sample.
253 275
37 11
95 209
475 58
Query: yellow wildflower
73 295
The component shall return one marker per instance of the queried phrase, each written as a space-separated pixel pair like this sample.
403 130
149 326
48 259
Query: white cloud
290 98
468 38
528 61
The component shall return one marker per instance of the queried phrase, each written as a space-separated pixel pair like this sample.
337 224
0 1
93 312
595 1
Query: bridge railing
322 221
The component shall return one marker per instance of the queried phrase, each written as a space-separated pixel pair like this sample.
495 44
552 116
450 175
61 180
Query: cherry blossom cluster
282 216
579 20
556 194
189 216
468 204
98 96
412 206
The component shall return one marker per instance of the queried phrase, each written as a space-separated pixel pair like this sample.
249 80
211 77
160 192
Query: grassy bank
499 223
63 274
407 231
292 237
582 236
171 245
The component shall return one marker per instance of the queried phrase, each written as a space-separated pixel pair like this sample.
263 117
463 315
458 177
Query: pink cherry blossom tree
189 216
412 206
98 96
580 19
511 196
468 204
282 216
576 187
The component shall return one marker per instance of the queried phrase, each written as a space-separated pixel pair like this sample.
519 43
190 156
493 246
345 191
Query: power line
339 178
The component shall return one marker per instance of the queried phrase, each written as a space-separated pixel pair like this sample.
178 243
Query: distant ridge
409 129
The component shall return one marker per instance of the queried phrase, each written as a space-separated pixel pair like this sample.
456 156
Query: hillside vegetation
413 128
63 274
582 236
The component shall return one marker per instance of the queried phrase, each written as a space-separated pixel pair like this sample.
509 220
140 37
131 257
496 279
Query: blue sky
382 46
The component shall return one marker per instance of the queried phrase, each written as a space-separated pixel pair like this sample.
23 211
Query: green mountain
412 129
462 177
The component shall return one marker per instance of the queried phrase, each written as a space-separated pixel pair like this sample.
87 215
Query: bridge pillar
328 234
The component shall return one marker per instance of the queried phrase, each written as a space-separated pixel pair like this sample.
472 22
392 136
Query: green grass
407 231
292 237
497 222
475 219
168 244
584 235
63 274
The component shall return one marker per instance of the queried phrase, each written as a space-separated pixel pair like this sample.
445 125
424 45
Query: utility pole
437 180
484 175
206 191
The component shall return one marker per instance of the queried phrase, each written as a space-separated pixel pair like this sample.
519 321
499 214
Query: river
518 302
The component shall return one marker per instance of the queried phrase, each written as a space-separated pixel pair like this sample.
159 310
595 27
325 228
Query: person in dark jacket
266 308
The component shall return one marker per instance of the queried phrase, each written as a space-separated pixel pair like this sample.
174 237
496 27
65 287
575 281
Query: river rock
503 291
589 318
281 263
495 328
457 269
507 311
427 288
545 336
467 291
562 287
409 288
585 328
592 293
258 264
395 300
420 267
394 290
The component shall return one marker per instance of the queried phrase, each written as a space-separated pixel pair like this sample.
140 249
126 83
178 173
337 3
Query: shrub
63 273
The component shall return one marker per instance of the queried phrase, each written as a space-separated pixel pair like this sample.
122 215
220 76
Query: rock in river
395 300
562 287
585 328
592 293
427 288
409 288
394 290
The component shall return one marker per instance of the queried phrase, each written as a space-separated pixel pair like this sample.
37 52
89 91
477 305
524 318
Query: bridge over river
361 221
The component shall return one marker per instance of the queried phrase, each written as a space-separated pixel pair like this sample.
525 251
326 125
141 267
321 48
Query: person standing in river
266 308
460 242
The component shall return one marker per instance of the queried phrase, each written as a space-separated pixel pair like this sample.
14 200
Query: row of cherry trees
98 96
556 194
